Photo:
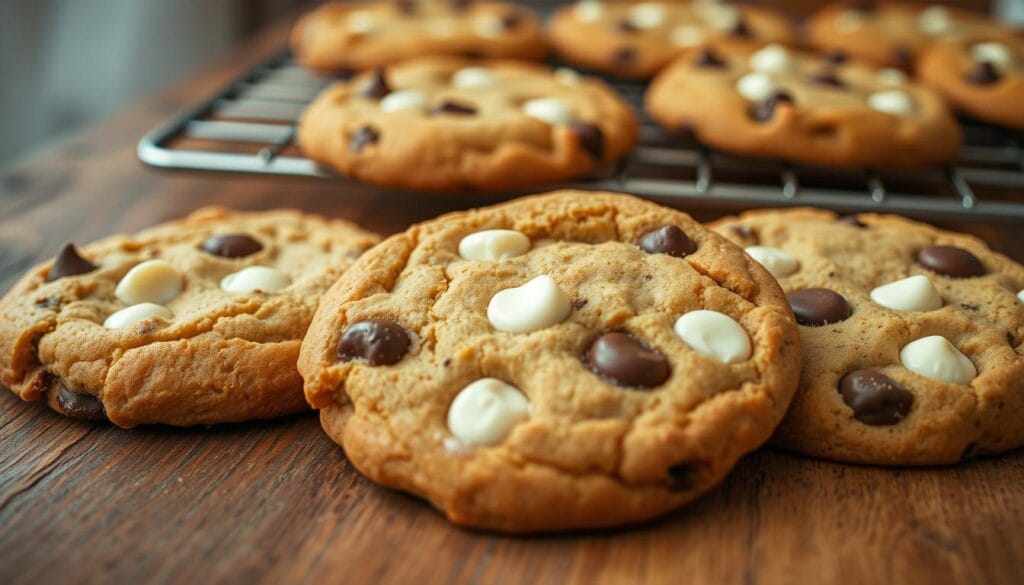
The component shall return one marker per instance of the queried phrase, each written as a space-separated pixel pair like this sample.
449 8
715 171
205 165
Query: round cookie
355 36
912 337
984 78
196 321
894 34
636 39
778 103
561 361
450 124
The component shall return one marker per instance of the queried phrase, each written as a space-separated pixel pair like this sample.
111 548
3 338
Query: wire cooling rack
249 127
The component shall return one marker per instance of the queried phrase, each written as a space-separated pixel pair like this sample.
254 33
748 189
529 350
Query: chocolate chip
364 137
624 26
621 359
815 307
837 57
406 6
827 78
853 220
232 245
983 73
378 341
447 362
709 58
624 55
682 477
512 20
453 108
875 398
69 263
902 57
743 231
741 28
667 239
590 137
79 406
377 87
765 110
950 261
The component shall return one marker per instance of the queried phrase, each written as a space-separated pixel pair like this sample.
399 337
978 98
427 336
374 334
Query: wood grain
277 502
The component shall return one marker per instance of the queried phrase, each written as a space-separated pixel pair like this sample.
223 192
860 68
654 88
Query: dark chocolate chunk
709 58
983 73
406 6
621 359
232 245
875 398
69 263
377 87
667 239
853 220
827 77
765 110
78 406
591 138
741 28
815 307
364 137
624 55
453 108
378 341
950 261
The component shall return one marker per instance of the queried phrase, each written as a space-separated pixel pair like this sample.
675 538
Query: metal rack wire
249 127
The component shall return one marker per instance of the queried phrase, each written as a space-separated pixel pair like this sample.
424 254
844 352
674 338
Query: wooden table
277 501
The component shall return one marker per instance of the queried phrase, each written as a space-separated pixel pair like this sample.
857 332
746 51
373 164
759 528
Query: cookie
912 337
196 321
778 103
636 39
561 361
450 124
983 78
894 34
356 36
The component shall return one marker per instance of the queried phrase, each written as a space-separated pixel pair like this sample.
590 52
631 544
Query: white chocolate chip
551 110
493 245
935 20
771 59
588 10
755 86
153 281
646 15
361 22
136 314
484 412
404 99
849 21
533 306
997 54
1020 296
892 76
687 35
568 76
714 334
719 16
914 293
473 77
936 358
488 26
778 262
892 101
255 278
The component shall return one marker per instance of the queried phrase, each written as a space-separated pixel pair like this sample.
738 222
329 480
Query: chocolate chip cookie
561 361
912 337
779 103
893 34
636 39
984 78
450 124
355 36
196 321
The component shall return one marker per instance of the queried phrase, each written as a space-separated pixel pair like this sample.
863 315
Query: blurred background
68 62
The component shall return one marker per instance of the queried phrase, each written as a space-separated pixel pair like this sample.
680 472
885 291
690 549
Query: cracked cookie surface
779 103
561 361
922 361
196 321
451 124
362 35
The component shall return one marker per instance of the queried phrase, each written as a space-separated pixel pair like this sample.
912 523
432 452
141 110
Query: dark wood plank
277 501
